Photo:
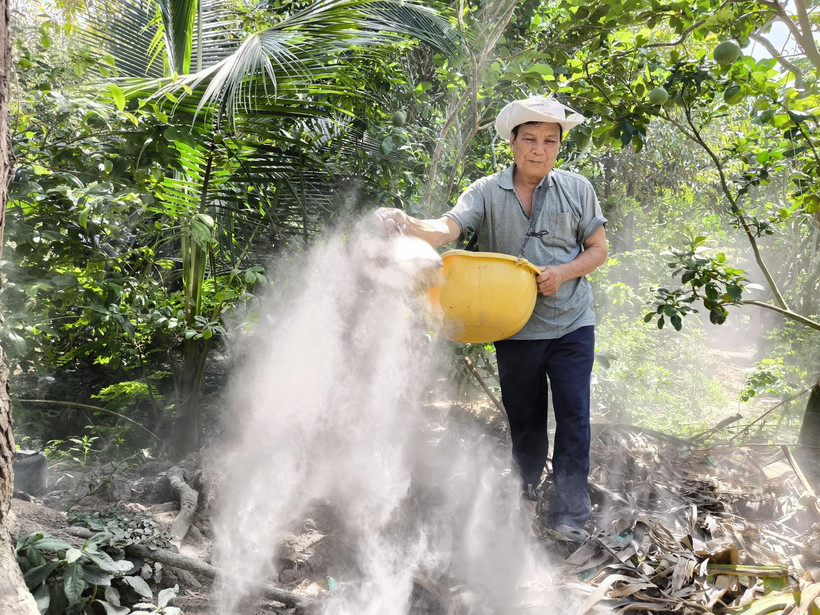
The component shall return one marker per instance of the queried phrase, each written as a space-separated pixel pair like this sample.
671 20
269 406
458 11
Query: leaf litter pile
676 528
681 528
684 529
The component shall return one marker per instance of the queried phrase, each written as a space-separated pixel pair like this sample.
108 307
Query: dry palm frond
683 529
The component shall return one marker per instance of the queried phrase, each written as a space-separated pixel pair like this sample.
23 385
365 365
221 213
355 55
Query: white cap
535 109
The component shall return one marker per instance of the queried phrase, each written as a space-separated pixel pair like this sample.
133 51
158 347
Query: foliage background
163 169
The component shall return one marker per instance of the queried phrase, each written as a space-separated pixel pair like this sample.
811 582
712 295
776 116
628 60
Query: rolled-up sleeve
469 210
592 218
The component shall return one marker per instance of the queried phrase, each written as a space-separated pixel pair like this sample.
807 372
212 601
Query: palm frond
218 34
178 17
124 31
380 21
299 55
141 35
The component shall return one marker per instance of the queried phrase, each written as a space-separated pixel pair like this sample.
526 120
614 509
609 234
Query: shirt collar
506 180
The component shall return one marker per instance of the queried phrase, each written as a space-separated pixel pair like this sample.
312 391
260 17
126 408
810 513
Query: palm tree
252 115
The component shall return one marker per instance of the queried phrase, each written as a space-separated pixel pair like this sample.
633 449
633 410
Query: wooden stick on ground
806 485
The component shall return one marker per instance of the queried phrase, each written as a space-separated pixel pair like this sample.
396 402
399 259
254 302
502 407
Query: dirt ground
676 527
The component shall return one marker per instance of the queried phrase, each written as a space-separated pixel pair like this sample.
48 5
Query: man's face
535 149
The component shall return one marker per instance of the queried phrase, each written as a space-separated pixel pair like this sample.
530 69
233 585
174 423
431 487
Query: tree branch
806 38
806 42
497 22
736 211
813 324
798 76
73 404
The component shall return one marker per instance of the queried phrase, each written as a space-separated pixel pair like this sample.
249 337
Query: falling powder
328 406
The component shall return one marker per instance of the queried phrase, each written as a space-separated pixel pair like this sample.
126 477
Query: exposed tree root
188 502
198 567
175 560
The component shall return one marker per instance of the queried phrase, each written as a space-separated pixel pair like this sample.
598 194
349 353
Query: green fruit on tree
658 96
399 118
733 94
726 53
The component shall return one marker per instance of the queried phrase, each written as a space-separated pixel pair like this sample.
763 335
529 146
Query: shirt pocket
560 229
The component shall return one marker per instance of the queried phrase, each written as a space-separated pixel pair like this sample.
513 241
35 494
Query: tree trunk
810 430
15 599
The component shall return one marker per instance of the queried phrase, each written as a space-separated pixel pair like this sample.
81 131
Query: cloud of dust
328 407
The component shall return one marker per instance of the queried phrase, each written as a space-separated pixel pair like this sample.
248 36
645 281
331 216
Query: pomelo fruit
726 53
658 96
399 118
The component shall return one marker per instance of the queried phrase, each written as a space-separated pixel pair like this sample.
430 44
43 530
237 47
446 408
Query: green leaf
51 544
18 342
133 118
34 557
42 596
112 595
83 217
166 595
734 291
202 229
118 95
140 586
542 69
172 133
102 559
97 539
73 583
770 603
111 609
717 316
72 555
94 575
36 576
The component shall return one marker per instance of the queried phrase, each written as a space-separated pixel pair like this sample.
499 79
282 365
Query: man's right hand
391 220
436 232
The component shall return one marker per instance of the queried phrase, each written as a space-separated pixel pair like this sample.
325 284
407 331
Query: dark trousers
526 368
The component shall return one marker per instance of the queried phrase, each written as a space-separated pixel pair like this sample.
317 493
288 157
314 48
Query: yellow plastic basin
485 296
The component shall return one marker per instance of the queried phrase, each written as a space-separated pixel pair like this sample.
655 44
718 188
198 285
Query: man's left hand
549 281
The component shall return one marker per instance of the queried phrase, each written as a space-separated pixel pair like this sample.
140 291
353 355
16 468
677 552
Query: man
552 218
